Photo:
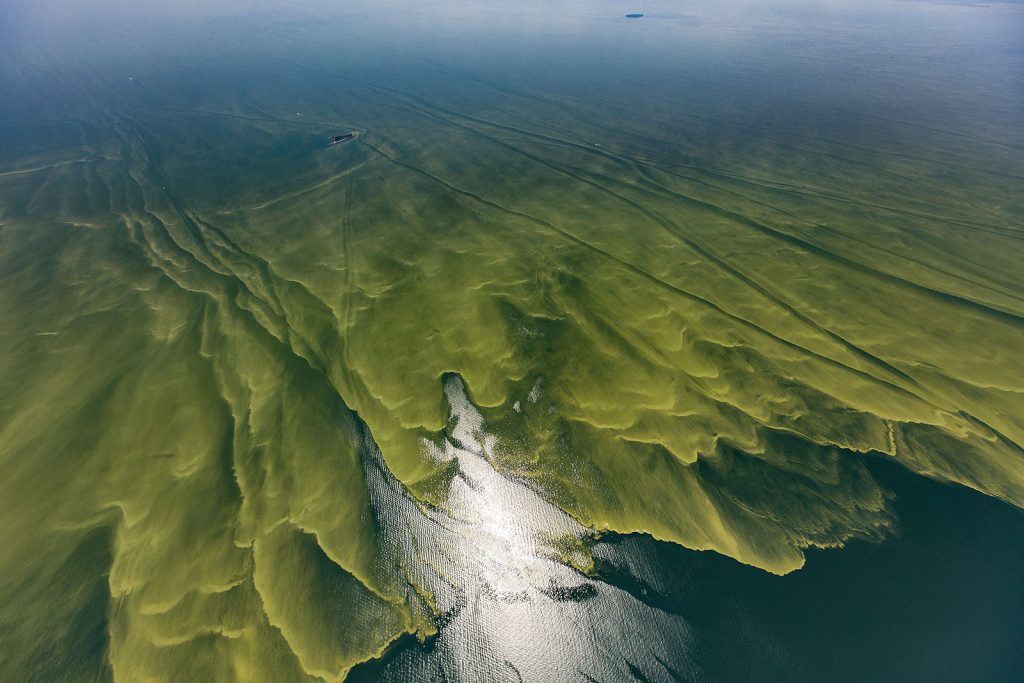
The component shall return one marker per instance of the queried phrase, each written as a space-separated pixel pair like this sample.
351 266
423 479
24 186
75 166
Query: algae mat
448 398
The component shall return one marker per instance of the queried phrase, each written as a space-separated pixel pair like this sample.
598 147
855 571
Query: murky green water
414 405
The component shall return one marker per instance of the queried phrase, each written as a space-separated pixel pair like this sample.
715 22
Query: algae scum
463 397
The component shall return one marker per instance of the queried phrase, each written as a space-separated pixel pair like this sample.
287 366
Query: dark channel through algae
464 397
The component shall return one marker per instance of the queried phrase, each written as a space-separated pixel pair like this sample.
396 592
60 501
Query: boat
341 138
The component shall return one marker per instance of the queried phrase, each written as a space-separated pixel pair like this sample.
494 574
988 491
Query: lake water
673 347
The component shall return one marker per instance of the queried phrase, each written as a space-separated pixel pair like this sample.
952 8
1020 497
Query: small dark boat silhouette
341 138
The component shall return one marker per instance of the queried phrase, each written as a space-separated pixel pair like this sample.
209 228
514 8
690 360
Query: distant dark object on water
341 138
633 16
